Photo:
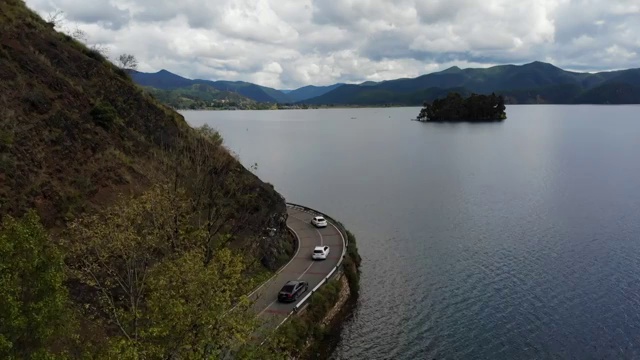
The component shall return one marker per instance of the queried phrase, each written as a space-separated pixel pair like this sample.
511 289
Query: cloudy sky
290 43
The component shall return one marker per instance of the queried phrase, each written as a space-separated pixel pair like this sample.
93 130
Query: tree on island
475 108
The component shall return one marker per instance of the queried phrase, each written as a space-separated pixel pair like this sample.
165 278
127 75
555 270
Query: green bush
33 299
295 333
323 300
351 264
352 249
104 115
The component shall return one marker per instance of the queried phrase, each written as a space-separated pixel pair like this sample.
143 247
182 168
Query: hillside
140 232
536 82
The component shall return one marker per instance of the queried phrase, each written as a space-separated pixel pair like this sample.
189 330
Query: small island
475 108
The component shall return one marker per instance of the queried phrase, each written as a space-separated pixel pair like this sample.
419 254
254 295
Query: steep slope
141 212
75 131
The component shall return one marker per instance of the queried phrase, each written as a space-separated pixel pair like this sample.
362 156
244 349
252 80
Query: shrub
352 249
33 299
104 115
323 299
37 101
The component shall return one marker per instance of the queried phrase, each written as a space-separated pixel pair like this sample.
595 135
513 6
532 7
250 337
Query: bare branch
100 48
79 34
127 62
55 18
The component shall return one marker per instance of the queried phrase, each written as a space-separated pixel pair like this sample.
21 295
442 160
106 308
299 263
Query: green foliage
352 249
188 306
115 249
165 294
293 336
210 134
201 96
295 333
104 115
456 108
351 265
33 299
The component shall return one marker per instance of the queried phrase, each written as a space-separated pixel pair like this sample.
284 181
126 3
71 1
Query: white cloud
291 43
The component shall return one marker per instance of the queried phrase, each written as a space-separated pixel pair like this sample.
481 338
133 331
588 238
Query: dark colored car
292 290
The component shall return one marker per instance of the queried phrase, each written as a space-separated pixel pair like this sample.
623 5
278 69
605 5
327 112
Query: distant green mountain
536 82
367 96
533 83
623 87
200 96
167 80
310 91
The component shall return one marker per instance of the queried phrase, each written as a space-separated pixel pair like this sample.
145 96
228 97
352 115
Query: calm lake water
514 240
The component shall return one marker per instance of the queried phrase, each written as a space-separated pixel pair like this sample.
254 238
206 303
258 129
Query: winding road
301 266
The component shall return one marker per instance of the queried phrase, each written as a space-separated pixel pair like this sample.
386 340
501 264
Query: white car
319 221
320 253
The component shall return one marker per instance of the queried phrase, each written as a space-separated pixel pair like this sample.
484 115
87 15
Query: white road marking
321 239
309 267
268 306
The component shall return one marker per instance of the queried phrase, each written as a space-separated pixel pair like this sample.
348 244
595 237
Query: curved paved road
301 266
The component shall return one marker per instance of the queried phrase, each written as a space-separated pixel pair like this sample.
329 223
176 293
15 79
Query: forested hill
125 233
166 80
532 83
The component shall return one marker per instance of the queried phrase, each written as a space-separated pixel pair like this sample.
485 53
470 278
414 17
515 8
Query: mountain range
532 83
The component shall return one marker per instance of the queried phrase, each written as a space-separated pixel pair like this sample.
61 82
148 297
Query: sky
286 44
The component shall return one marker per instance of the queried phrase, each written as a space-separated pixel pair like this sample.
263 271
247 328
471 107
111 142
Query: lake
513 240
